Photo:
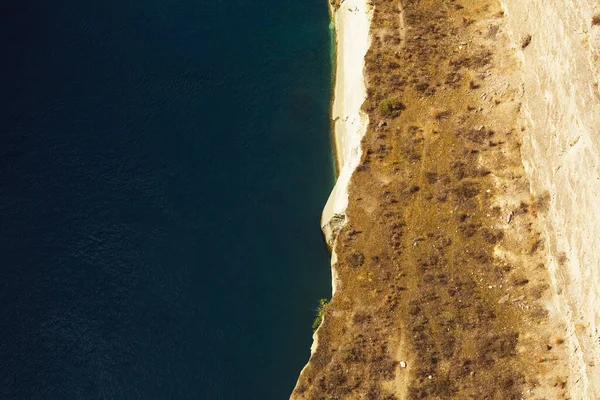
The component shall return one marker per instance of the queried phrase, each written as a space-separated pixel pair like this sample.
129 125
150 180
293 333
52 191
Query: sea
163 167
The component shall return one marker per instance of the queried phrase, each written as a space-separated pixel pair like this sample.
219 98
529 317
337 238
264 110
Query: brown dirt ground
442 291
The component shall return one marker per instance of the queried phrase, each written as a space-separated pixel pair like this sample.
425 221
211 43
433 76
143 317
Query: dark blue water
163 165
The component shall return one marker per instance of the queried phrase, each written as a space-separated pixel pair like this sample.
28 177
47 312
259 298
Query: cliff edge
464 257
561 153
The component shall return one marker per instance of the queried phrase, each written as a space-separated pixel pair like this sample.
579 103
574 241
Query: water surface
163 166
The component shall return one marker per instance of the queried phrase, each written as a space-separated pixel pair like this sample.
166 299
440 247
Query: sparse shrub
352 355
525 41
466 191
445 114
356 259
374 393
336 378
596 19
541 202
519 280
422 87
442 388
390 107
431 177
480 59
335 4
562 258
498 345
320 312
534 245
361 318
383 368
479 135
492 236
538 290
412 189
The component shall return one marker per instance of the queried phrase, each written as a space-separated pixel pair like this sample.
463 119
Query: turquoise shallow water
164 166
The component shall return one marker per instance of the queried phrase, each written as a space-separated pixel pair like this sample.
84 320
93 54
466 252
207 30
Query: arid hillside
443 288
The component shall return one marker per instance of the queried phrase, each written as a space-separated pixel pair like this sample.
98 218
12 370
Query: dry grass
420 282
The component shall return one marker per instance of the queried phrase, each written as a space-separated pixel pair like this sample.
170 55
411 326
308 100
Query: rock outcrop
561 154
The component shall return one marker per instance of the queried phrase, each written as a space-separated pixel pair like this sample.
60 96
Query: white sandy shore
352 20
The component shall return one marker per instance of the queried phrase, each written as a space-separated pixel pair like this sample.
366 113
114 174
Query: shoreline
349 121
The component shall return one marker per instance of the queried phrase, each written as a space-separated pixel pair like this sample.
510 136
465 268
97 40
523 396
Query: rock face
561 154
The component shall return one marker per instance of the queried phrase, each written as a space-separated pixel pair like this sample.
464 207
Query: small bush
320 313
356 259
525 41
596 19
390 107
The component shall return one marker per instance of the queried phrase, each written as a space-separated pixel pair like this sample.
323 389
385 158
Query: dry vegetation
442 288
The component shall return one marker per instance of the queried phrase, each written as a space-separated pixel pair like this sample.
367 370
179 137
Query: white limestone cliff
561 154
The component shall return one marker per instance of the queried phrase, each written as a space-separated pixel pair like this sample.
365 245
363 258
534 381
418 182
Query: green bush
320 313
390 107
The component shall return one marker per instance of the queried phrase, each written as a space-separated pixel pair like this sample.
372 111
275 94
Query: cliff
463 237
